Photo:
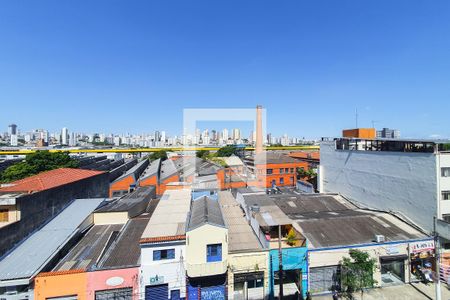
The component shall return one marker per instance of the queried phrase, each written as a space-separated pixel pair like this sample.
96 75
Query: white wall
173 270
392 181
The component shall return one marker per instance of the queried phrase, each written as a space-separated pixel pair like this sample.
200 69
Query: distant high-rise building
163 136
236 134
64 136
13 140
387 133
12 129
157 136
225 135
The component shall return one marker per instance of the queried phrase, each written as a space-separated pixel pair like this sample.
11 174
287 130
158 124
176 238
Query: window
292 170
286 170
115 294
4 215
281 171
445 172
214 252
445 195
281 181
446 218
269 171
163 254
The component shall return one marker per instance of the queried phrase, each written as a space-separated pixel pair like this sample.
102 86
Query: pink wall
113 279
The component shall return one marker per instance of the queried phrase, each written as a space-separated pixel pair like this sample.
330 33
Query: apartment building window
164 254
213 252
286 170
281 181
445 195
292 170
269 171
281 171
445 172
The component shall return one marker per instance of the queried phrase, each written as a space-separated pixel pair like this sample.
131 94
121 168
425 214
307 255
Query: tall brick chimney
259 137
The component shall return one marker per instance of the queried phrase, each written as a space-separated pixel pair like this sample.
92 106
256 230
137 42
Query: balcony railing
206 269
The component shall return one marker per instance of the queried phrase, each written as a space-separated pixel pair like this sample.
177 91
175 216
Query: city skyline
127 67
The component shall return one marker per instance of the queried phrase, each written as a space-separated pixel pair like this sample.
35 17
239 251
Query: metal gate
324 279
115 294
157 292
216 292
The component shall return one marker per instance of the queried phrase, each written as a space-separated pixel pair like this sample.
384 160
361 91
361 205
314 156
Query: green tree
37 162
357 272
302 173
162 154
202 154
226 151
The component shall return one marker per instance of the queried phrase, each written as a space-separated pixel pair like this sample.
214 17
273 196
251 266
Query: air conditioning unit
380 238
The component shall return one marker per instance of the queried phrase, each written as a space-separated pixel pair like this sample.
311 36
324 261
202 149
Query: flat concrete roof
240 234
170 215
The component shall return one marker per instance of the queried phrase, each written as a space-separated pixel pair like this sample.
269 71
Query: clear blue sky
132 66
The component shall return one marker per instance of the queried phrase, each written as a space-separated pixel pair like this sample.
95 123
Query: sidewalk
416 291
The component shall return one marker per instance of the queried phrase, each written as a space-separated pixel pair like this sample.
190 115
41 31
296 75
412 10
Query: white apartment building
163 248
404 176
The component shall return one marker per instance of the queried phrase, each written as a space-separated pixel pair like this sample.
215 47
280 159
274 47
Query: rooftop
32 255
268 214
126 251
152 169
169 217
136 170
47 180
240 234
167 169
329 220
271 157
87 253
204 210
135 203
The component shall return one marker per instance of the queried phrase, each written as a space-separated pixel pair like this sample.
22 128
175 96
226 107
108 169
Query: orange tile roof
162 239
47 180
314 155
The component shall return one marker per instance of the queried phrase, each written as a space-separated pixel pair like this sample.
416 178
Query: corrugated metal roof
240 234
269 213
204 210
167 169
152 169
136 170
32 255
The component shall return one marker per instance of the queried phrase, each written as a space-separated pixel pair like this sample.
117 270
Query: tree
202 154
309 173
160 154
357 272
226 151
37 162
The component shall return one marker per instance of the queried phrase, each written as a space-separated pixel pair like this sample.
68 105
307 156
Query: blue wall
198 194
293 258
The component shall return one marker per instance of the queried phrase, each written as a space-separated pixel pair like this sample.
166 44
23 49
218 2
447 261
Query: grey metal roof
152 169
269 213
134 203
90 248
329 220
36 251
204 210
241 236
136 170
127 251
167 169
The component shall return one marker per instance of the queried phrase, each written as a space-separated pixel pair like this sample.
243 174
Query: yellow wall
247 263
107 218
196 242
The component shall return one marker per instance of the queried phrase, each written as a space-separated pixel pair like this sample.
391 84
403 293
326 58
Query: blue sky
132 66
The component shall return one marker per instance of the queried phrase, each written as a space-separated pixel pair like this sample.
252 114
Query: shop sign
114 281
421 246
392 250
156 280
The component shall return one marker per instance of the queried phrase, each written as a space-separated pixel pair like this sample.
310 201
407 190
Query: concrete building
64 136
271 225
129 180
30 202
163 248
248 260
206 250
409 177
332 225
38 252
387 133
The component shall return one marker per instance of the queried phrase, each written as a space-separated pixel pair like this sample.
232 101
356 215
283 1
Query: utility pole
438 265
356 117
280 259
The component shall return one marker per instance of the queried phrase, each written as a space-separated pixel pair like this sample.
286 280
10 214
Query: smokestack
259 138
